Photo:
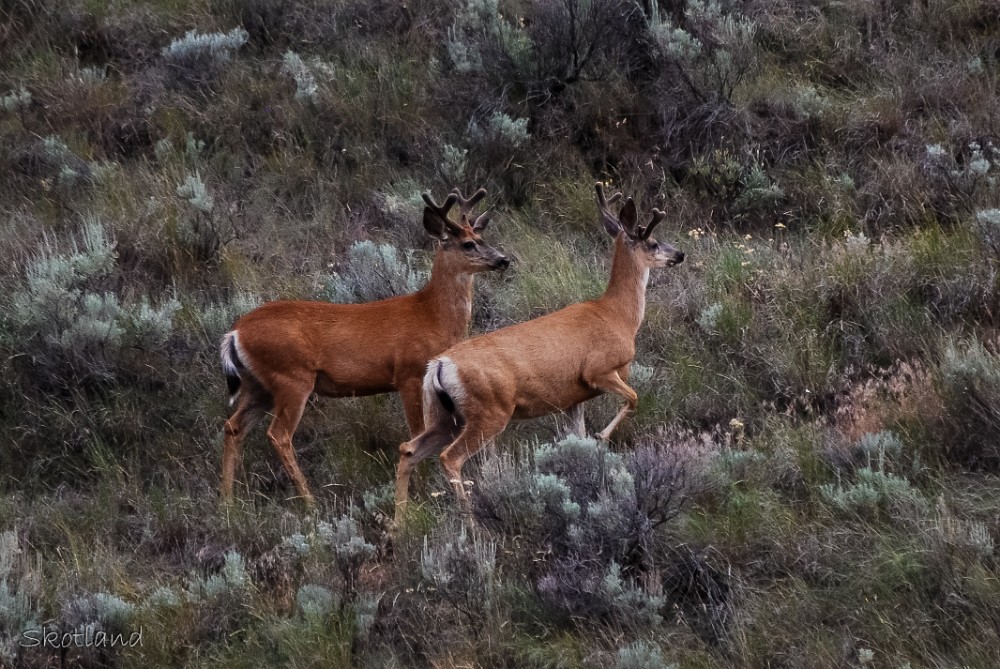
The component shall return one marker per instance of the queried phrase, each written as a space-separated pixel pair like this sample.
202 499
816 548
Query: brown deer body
280 353
546 365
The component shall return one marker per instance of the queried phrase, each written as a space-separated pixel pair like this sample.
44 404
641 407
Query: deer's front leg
613 383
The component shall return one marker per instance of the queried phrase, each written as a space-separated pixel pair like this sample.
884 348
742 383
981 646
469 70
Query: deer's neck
625 295
449 293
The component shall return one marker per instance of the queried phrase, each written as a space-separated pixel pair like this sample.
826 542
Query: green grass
836 285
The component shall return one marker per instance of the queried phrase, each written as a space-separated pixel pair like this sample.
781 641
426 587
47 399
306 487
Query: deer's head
636 238
460 239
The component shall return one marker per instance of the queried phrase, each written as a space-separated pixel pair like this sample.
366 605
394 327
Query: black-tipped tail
231 365
446 401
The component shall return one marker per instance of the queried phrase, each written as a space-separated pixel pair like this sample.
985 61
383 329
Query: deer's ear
611 224
434 225
481 222
628 216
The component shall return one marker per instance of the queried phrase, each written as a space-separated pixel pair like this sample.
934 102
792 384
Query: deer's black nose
680 256
503 263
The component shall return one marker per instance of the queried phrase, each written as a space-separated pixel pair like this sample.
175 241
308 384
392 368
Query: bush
462 571
373 272
970 379
195 60
593 513
70 318
872 491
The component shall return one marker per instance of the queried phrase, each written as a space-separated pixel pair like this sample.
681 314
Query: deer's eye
468 246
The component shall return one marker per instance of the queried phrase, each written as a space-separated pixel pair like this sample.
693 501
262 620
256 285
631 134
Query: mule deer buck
278 354
546 365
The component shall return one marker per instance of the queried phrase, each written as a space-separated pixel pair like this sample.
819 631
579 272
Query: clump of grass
19 592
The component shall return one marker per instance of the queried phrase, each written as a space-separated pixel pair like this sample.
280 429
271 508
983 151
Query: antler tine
443 210
602 201
466 206
658 217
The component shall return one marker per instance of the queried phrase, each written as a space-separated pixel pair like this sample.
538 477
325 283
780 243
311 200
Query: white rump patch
448 379
442 376
225 350
231 365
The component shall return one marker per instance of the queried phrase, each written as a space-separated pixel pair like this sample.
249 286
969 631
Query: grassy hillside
811 478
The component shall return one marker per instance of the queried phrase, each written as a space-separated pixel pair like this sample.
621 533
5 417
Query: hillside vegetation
810 480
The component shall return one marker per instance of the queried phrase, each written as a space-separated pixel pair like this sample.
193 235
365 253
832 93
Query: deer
277 355
550 364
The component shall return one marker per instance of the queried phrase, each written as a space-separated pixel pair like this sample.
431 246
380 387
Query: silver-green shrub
99 611
216 318
461 570
216 46
61 303
373 271
454 162
16 102
315 601
714 46
341 539
872 490
640 655
460 566
501 129
196 193
402 201
970 383
480 30
65 310
233 580
988 225
305 83
591 511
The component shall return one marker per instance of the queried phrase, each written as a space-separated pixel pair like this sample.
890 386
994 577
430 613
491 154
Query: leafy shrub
594 512
215 319
462 570
305 82
67 311
964 174
315 600
16 102
882 451
98 612
194 191
577 589
501 129
213 47
969 536
970 378
640 655
871 491
713 49
988 224
342 540
194 61
373 271
232 581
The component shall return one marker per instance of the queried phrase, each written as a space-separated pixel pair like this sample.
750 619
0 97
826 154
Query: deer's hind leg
477 432
251 404
289 403
441 431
